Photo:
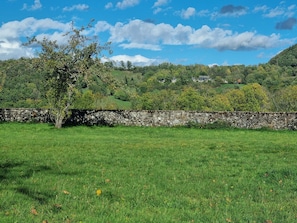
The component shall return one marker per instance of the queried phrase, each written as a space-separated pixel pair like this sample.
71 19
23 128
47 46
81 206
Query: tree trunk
59 121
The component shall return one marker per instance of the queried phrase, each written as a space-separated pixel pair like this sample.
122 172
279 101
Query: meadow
141 174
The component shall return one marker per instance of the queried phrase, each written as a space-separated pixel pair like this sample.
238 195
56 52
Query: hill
287 57
263 87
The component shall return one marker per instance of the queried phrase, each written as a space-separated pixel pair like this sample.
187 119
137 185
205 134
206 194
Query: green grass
225 87
121 105
112 103
146 174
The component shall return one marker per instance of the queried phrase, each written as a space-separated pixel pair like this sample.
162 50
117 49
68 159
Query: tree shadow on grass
6 167
13 175
40 196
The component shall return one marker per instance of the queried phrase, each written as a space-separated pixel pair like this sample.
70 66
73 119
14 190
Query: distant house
162 80
204 78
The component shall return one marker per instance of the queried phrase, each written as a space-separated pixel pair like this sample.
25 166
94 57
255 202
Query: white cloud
137 60
79 7
14 49
213 65
35 6
225 63
275 12
28 26
127 3
229 11
158 6
135 34
238 41
152 47
186 14
279 10
157 10
291 11
291 7
56 36
13 33
203 13
102 26
160 3
136 31
109 5
262 8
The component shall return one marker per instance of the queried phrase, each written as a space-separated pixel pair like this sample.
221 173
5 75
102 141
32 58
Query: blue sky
146 32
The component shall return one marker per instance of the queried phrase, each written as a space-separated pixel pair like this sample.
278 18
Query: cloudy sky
145 32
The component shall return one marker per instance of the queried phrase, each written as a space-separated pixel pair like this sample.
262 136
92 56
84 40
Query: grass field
135 174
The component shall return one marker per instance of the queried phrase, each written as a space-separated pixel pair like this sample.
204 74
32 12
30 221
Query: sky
150 32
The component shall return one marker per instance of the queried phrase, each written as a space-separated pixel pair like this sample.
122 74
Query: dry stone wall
249 120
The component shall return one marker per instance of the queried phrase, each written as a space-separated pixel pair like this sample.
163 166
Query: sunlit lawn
134 174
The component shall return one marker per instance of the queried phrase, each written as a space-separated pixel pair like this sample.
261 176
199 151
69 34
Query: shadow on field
41 197
5 172
13 175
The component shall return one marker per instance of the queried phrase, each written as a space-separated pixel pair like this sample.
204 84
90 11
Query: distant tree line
263 87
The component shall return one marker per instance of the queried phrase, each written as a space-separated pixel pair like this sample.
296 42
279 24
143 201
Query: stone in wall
248 120
24 115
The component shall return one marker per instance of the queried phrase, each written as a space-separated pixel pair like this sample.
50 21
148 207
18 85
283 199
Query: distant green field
113 103
138 174
225 87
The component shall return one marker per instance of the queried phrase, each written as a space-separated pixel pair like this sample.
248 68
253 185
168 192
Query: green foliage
219 102
165 86
85 100
286 99
287 57
156 100
237 99
64 65
256 98
2 79
111 103
251 97
190 99
122 94
21 84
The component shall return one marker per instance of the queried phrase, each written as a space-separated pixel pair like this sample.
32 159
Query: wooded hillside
288 57
263 87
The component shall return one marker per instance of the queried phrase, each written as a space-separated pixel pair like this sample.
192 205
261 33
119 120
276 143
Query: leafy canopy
64 64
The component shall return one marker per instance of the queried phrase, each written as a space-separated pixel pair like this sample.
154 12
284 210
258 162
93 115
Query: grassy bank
133 174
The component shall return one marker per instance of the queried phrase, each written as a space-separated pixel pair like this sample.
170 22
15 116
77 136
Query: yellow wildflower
98 192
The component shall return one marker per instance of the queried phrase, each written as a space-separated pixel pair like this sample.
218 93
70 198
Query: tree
256 98
156 100
287 57
63 65
251 97
286 99
219 102
190 99
20 84
236 98
85 100
123 66
129 65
